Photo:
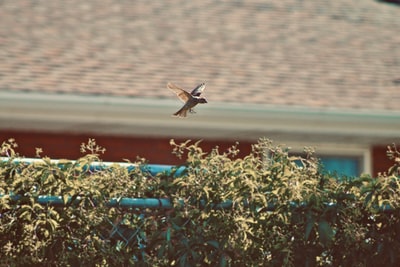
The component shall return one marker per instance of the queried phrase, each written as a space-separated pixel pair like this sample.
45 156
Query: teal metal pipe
152 169
154 203
114 202
161 203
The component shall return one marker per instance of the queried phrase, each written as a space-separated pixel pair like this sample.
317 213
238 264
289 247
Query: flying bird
190 100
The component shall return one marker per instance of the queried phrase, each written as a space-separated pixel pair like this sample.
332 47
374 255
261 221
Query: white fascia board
152 117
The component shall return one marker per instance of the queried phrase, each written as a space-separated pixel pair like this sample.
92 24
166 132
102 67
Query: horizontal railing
153 169
124 202
128 203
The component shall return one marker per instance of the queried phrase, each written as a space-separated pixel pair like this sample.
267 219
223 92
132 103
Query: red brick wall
380 162
156 150
65 145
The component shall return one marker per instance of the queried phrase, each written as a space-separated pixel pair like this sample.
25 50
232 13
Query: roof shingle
335 54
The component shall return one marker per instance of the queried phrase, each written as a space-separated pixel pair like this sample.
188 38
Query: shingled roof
342 54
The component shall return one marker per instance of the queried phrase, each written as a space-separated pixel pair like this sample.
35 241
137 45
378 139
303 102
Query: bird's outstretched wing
182 94
198 89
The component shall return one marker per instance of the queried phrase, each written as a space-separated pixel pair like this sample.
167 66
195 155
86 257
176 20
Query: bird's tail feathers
181 113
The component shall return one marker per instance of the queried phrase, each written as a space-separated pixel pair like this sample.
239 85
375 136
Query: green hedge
281 213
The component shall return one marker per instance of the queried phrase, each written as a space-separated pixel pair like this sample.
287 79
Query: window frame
338 150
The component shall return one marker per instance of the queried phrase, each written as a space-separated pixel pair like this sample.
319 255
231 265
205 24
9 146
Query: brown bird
190 100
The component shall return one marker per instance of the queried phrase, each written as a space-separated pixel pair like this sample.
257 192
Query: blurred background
324 74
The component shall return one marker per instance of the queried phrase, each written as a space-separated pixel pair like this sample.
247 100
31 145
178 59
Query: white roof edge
103 114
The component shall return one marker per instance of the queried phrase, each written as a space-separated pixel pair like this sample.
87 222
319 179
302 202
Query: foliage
266 209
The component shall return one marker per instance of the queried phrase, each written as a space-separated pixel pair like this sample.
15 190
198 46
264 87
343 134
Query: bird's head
202 100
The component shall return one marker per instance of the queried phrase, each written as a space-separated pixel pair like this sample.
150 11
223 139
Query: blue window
350 166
